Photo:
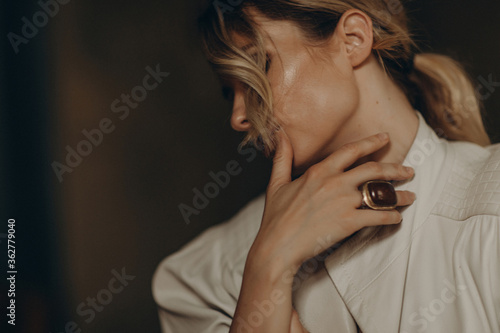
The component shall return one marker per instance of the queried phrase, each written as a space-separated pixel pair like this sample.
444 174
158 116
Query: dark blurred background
117 208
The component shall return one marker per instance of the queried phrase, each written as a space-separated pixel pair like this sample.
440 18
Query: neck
383 107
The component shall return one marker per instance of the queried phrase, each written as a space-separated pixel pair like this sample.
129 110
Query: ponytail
436 85
447 99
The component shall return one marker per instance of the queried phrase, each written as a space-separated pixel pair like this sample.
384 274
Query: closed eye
268 62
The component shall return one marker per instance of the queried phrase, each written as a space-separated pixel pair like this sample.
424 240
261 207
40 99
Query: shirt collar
362 259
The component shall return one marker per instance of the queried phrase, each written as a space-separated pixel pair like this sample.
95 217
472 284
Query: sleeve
196 289
477 268
188 289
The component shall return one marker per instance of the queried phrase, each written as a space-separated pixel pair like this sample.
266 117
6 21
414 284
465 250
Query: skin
325 97
343 122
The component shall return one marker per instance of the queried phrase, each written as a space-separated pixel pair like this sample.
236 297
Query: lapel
369 269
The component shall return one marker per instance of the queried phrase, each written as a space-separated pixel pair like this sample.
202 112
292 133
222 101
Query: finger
346 155
370 218
378 171
282 162
352 199
295 324
405 198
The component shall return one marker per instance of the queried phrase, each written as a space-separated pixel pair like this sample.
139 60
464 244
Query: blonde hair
436 85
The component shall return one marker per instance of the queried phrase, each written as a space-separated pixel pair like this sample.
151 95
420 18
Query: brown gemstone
382 194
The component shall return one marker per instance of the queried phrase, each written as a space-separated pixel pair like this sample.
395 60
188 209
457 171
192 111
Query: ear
355 31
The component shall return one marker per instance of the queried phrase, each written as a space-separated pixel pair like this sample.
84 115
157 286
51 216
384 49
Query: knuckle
389 217
313 172
385 218
357 199
350 149
350 224
375 167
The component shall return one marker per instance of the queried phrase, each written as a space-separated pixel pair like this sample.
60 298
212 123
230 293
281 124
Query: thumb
282 162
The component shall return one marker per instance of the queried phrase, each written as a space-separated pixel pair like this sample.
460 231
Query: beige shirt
438 271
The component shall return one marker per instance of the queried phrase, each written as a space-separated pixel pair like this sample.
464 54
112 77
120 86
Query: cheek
334 91
313 109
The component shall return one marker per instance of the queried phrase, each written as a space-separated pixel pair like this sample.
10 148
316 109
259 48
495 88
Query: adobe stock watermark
93 305
30 28
461 111
311 265
488 86
120 106
265 308
420 319
219 180
225 6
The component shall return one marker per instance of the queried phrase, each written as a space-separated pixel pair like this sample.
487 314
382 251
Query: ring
378 195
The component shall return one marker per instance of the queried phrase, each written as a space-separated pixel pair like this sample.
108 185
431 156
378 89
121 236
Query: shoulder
475 260
472 198
210 263
473 186
225 243
229 239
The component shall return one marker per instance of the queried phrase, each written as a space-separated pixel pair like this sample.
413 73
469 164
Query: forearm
265 301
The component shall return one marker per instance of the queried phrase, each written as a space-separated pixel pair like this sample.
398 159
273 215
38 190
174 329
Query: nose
239 120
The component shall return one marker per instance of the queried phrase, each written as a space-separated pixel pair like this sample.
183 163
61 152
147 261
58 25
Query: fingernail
409 169
383 136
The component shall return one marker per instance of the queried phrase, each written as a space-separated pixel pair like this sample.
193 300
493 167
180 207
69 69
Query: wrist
273 266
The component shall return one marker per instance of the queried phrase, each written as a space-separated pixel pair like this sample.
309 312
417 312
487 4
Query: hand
324 201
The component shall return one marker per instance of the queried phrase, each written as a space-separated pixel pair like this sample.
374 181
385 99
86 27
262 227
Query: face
314 92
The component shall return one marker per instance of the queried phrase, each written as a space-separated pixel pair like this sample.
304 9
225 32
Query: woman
330 89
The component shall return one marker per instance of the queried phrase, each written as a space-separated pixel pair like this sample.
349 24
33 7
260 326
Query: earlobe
356 31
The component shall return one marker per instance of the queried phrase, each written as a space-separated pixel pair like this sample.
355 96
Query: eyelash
268 63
